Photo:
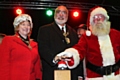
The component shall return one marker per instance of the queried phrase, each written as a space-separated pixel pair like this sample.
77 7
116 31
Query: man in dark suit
54 38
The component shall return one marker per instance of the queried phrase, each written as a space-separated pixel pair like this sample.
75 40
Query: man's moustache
61 18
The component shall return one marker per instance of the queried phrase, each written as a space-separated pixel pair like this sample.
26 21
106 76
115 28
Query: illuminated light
49 12
76 14
19 11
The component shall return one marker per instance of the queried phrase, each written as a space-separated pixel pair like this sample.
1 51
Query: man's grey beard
60 21
101 28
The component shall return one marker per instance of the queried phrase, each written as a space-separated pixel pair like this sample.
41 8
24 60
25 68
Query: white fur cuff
73 53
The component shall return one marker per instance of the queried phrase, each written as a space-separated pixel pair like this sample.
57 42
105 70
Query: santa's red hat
97 10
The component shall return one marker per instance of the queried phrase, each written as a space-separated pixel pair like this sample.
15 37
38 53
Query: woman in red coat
19 58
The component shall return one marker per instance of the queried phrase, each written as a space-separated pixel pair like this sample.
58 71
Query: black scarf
26 41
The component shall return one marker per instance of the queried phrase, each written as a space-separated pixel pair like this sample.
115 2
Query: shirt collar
64 27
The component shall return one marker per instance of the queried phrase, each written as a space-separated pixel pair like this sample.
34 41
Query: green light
49 12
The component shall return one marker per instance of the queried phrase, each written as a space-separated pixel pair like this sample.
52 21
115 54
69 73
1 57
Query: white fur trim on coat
73 53
106 49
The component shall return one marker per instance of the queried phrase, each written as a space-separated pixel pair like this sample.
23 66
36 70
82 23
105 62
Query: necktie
62 29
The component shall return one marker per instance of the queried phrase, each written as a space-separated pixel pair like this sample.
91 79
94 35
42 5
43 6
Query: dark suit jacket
51 42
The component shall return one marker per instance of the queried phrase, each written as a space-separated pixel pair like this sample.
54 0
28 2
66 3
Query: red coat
95 50
89 46
18 61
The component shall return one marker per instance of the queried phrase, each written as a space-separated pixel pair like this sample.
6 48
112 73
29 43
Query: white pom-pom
88 33
62 64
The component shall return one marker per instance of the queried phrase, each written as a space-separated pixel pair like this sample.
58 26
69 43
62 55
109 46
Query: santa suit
98 50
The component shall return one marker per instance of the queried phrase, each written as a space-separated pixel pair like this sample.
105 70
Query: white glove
67 54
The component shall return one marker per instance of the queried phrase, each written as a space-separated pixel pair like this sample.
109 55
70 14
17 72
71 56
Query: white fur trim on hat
75 55
98 10
20 18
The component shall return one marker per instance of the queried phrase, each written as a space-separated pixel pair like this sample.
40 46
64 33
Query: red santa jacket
89 47
18 61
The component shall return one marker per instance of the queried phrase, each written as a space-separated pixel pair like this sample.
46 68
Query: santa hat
20 18
98 10
82 26
62 64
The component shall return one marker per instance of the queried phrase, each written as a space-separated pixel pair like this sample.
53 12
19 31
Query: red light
76 14
18 11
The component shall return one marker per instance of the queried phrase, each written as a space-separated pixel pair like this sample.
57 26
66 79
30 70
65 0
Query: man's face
61 15
80 31
100 25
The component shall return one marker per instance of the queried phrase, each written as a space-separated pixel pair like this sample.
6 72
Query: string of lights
43 5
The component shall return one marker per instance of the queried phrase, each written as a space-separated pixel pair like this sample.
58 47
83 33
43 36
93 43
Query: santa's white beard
101 28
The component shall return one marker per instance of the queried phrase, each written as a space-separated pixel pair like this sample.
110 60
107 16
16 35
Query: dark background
7 13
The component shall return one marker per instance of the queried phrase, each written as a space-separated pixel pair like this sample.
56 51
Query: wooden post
62 75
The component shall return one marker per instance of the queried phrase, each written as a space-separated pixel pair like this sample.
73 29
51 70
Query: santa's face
100 25
98 17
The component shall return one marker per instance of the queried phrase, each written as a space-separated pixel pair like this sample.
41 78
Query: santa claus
101 48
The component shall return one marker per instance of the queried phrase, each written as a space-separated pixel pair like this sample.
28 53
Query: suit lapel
57 30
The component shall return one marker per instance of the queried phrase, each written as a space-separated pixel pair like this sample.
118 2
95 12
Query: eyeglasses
100 16
59 11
